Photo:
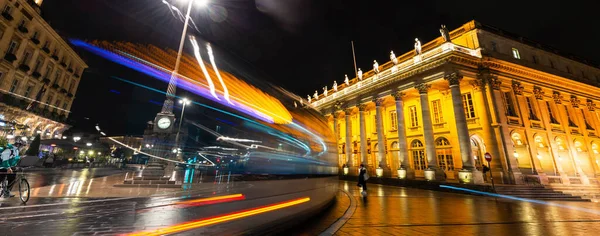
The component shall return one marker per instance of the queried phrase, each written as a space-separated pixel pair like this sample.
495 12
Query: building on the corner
39 73
533 108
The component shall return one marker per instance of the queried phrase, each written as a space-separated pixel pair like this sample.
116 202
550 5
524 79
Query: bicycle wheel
3 187
24 190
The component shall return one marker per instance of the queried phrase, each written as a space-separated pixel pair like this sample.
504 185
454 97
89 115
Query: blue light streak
522 199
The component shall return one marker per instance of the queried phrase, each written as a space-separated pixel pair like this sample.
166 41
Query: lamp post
168 105
184 103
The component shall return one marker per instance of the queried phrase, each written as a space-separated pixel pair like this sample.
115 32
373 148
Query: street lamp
184 103
167 106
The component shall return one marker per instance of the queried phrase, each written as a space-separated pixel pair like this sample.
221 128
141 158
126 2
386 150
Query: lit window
517 139
414 121
438 117
418 155
540 141
443 152
515 53
578 146
394 120
468 105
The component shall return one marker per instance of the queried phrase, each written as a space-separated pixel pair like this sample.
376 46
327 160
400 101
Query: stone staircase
591 192
537 192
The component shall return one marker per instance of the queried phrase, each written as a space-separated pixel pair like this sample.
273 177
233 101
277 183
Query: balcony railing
10 57
7 16
23 29
389 73
36 41
36 74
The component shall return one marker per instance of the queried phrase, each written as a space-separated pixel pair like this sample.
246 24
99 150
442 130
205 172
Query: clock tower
163 123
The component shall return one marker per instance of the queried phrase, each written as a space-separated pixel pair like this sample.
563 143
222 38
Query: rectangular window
438 117
494 46
14 86
7 9
468 105
64 105
26 57
414 121
22 23
551 63
551 114
532 113
509 104
394 120
535 60
49 69
71 86
585 119
568 69
12 47
515 53
28 90
49 101
35 35
37 66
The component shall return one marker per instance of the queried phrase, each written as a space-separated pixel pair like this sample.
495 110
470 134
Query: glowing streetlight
88 144
76 138
167 107
184 103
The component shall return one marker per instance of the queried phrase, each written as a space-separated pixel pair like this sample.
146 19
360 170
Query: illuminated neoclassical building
39 73
474 90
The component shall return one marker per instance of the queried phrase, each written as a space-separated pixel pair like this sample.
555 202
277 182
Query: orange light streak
211 200
219 219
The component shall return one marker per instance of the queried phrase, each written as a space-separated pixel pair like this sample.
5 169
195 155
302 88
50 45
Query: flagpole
354 58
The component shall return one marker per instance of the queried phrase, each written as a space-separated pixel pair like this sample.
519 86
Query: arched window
443 151
578 146
394 145
595 148
516 137
560 143
418 155
539 141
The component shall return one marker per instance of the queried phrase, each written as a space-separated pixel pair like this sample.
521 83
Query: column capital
422 88
453 77
517 87
398 95
557 97
362 107
338 106
590 105
348 110
538 93
495 82
574 101
378 101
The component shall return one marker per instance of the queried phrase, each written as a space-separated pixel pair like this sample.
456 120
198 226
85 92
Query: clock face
164 123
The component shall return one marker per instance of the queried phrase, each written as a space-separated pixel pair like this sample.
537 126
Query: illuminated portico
433 115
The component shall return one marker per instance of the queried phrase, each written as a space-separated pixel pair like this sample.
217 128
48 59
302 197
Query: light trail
522 199
214 65
157 157
219 219
201 63
213 200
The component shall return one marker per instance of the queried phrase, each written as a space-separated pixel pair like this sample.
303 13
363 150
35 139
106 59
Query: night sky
301 45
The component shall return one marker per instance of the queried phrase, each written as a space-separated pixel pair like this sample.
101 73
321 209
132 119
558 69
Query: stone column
335 133
432 172
402 146
349 161
381 138
363 134
496 98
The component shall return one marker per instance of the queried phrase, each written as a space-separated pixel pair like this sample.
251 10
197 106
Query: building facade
39 73
435 111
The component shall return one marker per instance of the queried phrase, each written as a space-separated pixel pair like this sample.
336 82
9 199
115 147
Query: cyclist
10 158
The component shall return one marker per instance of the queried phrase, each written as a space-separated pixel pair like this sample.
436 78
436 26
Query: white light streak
211 85
241 140
214 65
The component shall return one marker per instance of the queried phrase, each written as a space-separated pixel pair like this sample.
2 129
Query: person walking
363 176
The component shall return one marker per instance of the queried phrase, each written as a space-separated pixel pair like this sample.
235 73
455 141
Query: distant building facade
435 114
39 73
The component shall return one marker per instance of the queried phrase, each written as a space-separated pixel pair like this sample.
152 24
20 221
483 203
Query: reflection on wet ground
87 204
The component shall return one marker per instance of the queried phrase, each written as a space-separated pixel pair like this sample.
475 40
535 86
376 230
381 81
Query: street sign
488 156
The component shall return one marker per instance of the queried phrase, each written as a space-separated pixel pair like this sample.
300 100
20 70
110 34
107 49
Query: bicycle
24 189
